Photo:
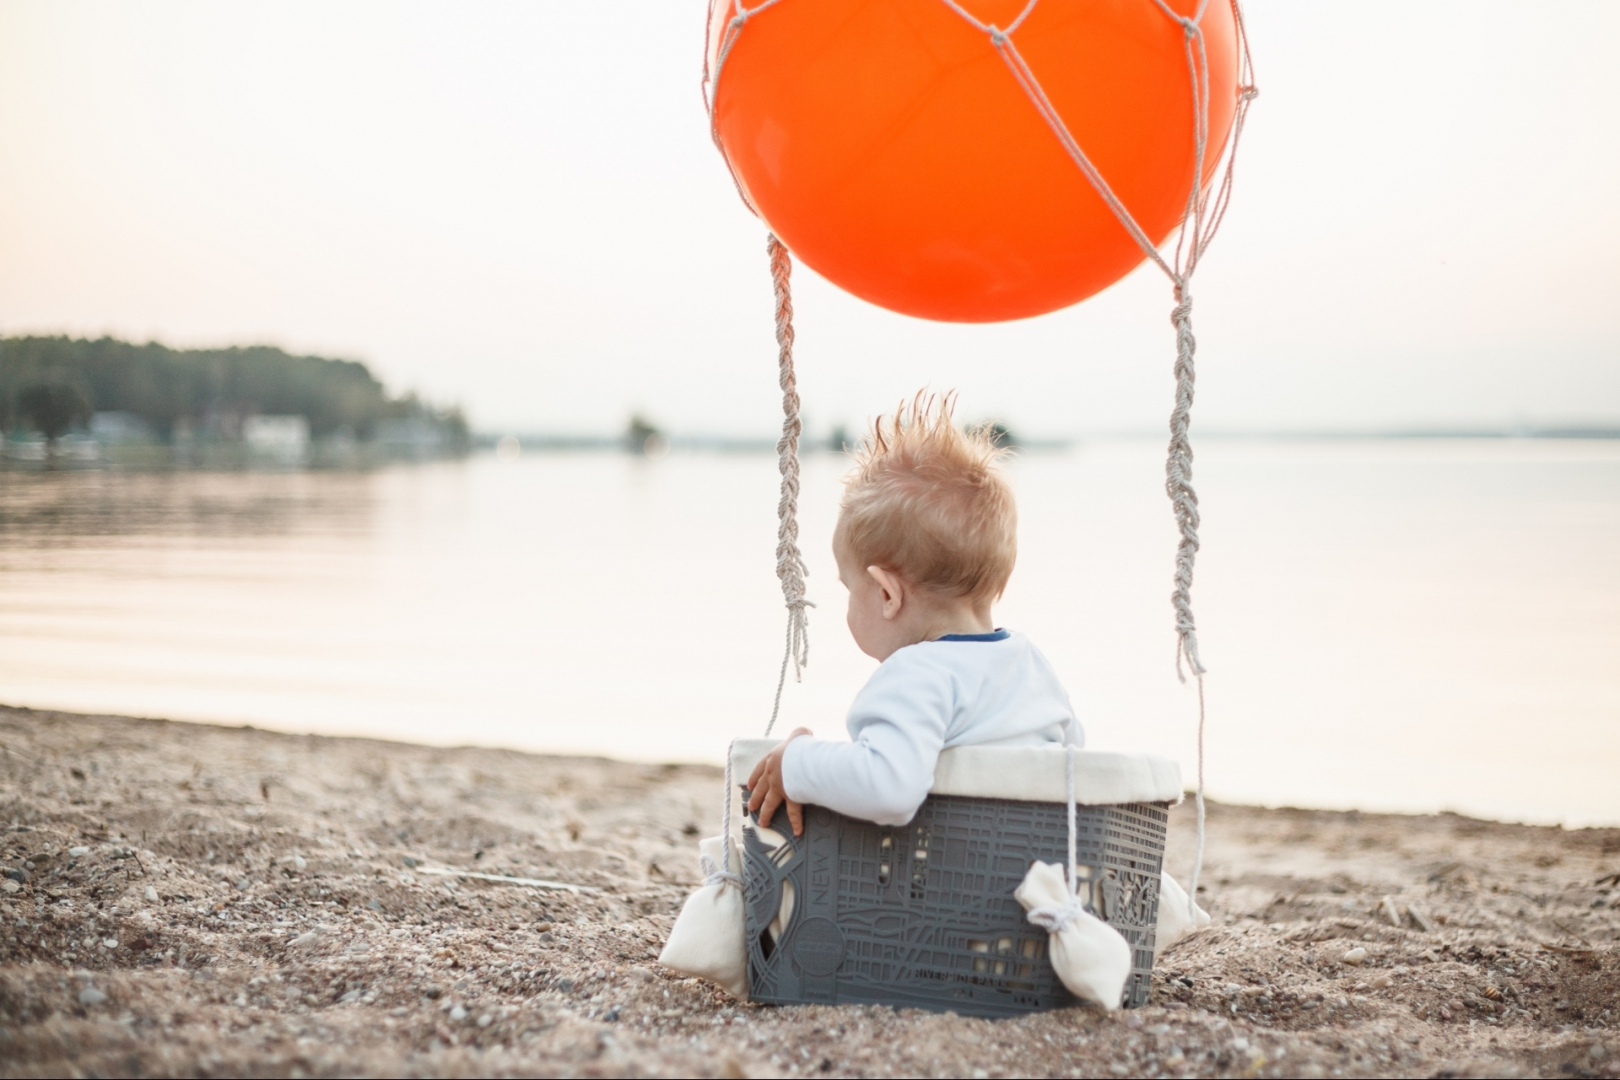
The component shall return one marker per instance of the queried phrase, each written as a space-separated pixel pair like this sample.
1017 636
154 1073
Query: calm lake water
1406 625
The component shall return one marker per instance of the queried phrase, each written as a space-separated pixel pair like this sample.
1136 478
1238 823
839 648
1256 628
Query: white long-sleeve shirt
962 689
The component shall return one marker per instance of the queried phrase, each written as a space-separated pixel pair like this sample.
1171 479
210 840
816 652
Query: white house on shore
277 438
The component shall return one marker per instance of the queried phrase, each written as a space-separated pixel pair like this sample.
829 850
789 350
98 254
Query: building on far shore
67 399
283 439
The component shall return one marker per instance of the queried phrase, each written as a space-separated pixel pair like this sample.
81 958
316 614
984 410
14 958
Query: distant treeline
200 391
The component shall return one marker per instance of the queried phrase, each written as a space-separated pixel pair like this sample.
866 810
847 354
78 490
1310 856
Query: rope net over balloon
1207 200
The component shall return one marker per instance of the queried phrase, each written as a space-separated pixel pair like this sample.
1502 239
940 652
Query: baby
925 543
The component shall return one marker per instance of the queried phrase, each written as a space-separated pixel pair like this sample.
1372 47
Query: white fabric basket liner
1031 773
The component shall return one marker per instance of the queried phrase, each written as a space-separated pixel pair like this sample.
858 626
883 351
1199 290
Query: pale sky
516 206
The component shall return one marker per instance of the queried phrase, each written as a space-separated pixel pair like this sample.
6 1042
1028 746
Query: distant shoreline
485 440
30 456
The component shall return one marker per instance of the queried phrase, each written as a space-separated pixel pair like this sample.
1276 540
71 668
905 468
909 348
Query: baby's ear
893 589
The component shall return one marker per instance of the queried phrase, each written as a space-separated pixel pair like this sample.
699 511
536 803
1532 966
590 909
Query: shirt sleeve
1073 733
898 724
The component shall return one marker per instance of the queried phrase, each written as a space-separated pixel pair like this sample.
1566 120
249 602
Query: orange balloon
888 144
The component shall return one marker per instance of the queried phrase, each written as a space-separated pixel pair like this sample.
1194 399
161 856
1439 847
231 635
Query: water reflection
38 508
1399 625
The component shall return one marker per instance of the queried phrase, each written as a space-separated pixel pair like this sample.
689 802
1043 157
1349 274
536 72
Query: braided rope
1178 485
790 568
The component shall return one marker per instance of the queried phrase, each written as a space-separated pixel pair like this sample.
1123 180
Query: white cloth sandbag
1175 921
1090 956
709 938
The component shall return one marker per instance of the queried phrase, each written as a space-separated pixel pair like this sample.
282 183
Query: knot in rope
998 36
1056 919
1181 314
715 875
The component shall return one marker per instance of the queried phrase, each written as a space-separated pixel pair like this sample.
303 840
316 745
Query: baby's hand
765 785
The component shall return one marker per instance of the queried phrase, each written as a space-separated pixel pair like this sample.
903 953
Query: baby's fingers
759 771
767 810
795 816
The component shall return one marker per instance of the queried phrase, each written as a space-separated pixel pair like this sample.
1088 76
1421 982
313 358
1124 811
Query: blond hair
928 501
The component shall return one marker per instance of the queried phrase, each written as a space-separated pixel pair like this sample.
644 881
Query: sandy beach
184 900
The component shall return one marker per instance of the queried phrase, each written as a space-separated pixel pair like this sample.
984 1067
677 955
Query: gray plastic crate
923 914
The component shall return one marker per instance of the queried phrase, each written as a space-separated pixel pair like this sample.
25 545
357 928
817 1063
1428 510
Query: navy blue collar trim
994 635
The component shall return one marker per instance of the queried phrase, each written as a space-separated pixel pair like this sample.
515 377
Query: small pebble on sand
1355 956
1390 910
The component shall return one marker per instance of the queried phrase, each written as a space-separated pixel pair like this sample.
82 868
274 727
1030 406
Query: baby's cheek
854 620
